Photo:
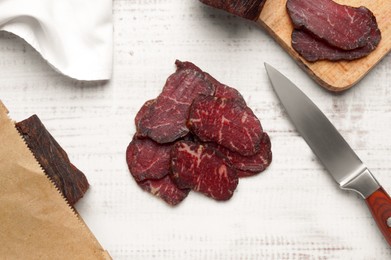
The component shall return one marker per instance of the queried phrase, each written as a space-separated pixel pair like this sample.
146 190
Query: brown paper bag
35 220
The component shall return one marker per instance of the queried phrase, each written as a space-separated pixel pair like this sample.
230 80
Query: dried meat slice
203 169
220 90
224 91
167 159
166 119
53 159
313 49
248 165
341 26
187 65
147 159
249 9
142 112
165 189
227 122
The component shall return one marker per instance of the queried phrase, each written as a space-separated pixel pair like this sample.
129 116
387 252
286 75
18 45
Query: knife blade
333 151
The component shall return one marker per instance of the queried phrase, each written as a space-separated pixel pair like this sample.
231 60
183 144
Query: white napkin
74 36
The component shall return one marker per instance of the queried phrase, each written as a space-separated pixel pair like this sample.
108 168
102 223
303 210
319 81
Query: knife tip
268 67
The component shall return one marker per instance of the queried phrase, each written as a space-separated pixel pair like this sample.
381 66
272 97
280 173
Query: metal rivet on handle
389 222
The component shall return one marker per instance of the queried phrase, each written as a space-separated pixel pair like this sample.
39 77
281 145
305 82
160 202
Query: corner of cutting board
331 86
303 64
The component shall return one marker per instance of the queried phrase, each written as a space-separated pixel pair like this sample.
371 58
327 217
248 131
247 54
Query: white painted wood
291 211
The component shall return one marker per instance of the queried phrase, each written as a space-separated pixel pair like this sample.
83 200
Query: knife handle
379 204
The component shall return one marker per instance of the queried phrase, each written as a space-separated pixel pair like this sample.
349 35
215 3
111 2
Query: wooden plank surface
334 76
292 211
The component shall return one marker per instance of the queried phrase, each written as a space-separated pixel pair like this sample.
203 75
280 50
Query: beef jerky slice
147 159
313 48
203 169
220 90
227 122
165 189
341 26
53 159
187 65
224 91
142 112
165 121
248 165
249 9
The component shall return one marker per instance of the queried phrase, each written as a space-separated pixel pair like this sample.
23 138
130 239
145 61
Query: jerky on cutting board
326 30
53 159
248 9
313 49
342 26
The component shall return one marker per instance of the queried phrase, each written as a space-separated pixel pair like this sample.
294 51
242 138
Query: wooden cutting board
334 76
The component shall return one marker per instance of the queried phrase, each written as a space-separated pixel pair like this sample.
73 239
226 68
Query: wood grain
334 76
379 204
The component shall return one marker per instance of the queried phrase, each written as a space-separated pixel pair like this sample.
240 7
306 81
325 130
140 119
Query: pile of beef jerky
199 135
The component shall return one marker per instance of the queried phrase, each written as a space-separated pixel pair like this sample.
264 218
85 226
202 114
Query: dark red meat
147 159
187 65
227 122
249 9
165 189
313 49
341 26
167 159
203 169
248 165
69 180
224 91
220 90
142 112
165 121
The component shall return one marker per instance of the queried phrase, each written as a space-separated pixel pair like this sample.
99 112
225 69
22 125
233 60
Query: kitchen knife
333 151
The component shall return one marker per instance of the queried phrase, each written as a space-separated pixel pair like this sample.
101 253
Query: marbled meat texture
147 159
142 112
248 165
227 122
165 189
220 89
167 159
224 91
313 48
165 120
203 169
341 26
249 9
70 181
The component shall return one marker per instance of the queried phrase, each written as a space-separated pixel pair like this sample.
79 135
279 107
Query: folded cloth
73 36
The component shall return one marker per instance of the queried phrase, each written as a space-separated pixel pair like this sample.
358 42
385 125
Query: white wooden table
292 211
